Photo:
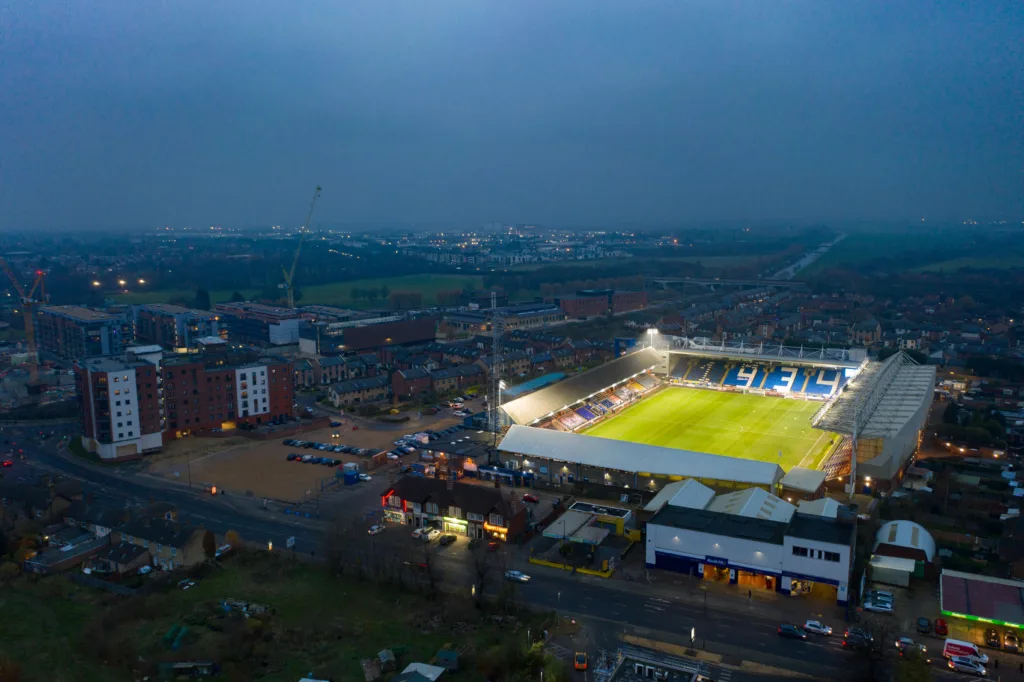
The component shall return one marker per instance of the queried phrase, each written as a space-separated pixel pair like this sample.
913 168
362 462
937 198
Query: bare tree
883 631
483 571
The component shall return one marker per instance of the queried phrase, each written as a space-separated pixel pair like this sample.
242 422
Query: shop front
456 526
496 532
396 516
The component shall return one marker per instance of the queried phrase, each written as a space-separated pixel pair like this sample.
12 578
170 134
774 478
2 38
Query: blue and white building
751 538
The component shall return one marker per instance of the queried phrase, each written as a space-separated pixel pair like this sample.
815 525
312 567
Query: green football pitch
733 424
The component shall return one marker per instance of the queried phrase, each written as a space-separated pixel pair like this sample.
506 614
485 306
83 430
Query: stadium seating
646 381
782 379
697 370
585 413
824 381
743 376
680 368
596 408
715 373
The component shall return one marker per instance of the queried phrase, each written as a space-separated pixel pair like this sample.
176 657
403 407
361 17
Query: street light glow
121 282
95 284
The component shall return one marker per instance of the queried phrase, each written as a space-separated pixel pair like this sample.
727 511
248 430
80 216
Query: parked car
365 477
392 456
965 664
186 584
292 457
992 638
530 497
289 442
877 607
817 628
940 627
419 533
307 458
791 631
376 529
447 540
1010 641
517 576
433 534
924 626
335 423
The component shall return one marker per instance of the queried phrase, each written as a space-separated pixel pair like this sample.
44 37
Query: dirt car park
263 470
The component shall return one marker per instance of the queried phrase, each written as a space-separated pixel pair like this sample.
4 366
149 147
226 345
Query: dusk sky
141 114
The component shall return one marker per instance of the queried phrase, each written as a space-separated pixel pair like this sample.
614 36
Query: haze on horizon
134 115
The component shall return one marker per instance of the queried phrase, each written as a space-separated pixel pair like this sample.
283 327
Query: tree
209 545
483 568
236 297
873 654
234 539
913 668
356 293
202 301
373 293
951 415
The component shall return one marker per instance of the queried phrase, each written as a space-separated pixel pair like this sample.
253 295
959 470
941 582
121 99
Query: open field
734 424
707 261
322 624
995 262
338 293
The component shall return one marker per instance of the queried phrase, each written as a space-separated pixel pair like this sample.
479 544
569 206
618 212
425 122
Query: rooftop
717 523
80 313
997 600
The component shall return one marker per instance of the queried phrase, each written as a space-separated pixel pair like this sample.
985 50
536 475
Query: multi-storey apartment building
173 326
132 404
262 325
72 332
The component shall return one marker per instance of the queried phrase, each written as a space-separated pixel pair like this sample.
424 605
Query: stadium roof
688 493
755 503
605 453
881 399
546 401
803 479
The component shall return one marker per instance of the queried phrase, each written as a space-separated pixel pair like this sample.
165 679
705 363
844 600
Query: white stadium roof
754 503
605 453
881 399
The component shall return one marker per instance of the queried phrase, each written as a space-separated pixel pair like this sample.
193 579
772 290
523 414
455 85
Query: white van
956 647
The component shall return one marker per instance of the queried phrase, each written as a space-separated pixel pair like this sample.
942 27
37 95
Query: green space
707 261
337 293
995 262
740 425
55 629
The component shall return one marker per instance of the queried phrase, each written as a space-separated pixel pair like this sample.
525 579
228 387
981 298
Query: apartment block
72 332
261 325
173 326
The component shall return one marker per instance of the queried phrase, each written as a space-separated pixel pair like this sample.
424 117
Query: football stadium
727 415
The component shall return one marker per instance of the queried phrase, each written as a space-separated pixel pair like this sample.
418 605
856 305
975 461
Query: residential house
98 519
472 511
359 391
512 363
40 502
452 379
123 557
407 383
171 544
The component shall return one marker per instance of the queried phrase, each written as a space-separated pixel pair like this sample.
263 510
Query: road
607 608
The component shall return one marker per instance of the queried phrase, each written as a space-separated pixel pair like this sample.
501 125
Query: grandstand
773 405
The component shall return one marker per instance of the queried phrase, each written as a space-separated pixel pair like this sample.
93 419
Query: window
116 380
159 547
455 512
832 556
118 402
431 507
474 517
174 551
120 435
118 414
125 377
119 424
117 391
496 520
145 544
799 551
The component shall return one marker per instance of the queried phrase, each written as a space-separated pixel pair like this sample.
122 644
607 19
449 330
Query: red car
8 462
530 498
940 627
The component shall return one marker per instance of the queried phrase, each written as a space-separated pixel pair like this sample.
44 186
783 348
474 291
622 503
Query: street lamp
651 333
121 282
95 284
142 281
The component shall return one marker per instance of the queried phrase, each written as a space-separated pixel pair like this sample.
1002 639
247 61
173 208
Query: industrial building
364 335
71 332
752 538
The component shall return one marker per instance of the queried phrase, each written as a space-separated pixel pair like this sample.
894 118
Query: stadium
729 415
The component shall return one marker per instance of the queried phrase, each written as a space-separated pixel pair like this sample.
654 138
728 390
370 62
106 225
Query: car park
817 628
965 664
307 458
790 631
517 576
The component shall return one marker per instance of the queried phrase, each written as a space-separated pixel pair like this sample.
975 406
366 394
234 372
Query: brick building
132 404
593 302
261 325
472 511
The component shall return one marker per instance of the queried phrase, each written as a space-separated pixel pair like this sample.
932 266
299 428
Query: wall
760 556
816 568
251 388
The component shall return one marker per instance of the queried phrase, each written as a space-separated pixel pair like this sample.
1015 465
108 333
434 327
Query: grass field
338 293
733 424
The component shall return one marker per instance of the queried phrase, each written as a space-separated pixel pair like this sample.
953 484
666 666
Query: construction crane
289 275
28 307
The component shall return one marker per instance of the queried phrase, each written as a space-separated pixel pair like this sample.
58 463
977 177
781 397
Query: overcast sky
137 114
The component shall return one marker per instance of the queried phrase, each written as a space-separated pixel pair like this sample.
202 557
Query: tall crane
28 307
289 275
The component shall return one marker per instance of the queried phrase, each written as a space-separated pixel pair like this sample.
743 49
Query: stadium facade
875 412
